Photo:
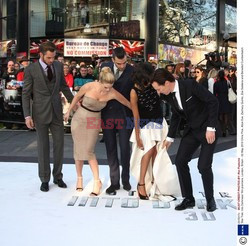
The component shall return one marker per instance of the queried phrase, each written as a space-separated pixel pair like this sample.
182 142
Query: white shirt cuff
211 129
171 140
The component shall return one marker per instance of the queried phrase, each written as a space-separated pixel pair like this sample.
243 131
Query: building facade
156 30
183 30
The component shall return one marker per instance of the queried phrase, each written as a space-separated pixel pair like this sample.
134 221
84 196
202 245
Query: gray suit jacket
44 102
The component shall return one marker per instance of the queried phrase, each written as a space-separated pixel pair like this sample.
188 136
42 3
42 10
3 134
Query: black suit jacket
200 108
123 85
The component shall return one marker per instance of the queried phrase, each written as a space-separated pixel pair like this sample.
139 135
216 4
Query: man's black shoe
186 203
60 183
44 186
112 189
211 205
127 186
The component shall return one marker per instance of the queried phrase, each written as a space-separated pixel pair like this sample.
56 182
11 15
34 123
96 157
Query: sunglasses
197 71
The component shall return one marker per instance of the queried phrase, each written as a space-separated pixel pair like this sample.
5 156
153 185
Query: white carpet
29 217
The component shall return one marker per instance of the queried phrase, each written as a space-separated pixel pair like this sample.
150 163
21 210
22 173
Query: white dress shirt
115 69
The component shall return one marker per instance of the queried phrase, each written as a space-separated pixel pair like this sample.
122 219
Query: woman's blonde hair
212 74
106 76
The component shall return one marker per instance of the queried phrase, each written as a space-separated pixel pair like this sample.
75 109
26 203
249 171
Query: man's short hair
119 52
161 75
187 63
73 60
47 46
60 55
83 66
23 59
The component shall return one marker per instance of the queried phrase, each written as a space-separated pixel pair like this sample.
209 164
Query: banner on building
86 47
132 48
178 54
35 43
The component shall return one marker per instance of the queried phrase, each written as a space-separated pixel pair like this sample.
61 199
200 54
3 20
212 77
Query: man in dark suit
116 113
199 107
43 82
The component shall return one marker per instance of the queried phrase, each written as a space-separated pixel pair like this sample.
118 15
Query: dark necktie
176 104
117 74
49 73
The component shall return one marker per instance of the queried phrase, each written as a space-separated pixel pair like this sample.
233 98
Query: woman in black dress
148 136
225 107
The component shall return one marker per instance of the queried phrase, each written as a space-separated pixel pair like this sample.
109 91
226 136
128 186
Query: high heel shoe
97 186
142 197
79 186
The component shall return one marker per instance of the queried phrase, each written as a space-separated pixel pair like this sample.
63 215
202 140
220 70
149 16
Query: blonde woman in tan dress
85 124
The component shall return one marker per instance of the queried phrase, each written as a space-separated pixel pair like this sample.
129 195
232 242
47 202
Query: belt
94 111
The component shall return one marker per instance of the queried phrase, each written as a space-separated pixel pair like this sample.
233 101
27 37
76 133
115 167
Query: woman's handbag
232 97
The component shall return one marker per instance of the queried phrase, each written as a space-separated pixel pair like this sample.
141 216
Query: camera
210 54
95 56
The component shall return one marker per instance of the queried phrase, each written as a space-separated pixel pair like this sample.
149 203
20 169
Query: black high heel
142 197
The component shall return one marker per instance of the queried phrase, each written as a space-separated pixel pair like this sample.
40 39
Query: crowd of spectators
217 80
213 76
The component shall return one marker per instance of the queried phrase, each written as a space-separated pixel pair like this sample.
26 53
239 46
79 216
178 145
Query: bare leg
97 182
153 160
79 167
144 167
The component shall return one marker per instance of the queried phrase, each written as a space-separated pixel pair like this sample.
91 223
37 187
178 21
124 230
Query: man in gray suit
43 82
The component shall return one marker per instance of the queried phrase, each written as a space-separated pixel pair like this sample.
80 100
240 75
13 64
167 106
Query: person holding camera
213 60
96 64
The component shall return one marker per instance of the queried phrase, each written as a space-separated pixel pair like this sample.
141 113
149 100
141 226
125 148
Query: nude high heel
79 185
97 188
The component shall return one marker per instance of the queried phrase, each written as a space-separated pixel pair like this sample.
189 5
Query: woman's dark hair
203 71
221 75
233 69
200 68
161 75
143 74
